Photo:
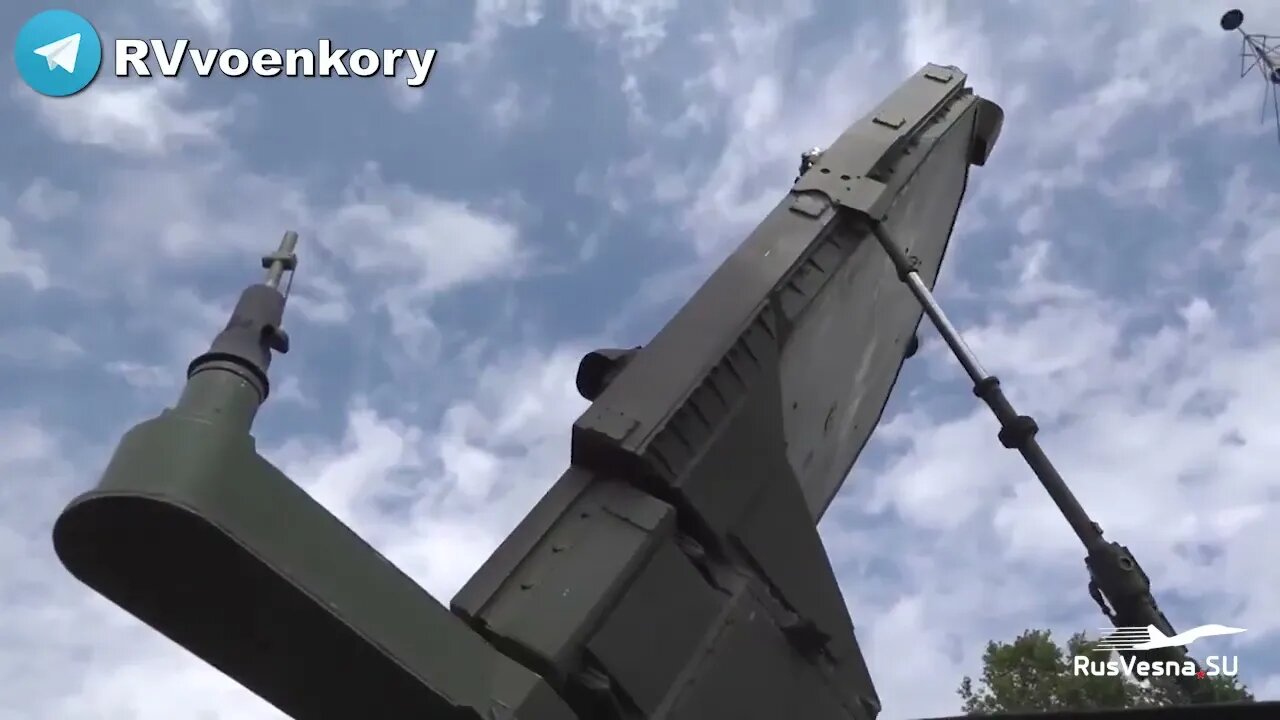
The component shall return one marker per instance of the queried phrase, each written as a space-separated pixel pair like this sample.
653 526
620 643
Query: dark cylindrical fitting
598 368
250 336
221 392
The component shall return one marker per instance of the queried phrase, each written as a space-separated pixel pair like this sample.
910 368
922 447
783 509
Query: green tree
1033 673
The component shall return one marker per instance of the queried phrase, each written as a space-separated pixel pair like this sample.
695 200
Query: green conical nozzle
244 346
221 393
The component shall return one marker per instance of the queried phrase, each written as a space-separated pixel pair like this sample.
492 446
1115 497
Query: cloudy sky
569 174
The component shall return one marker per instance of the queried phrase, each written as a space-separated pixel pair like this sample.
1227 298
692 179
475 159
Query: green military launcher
674 571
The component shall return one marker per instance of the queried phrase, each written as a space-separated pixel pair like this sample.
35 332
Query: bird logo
1150 637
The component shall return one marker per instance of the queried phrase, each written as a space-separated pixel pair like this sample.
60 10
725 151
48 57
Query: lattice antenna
1263 53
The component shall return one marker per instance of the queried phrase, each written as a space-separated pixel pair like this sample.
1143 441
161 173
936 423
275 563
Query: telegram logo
58 53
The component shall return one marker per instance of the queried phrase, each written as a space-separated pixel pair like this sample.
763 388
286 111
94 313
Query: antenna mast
1261 52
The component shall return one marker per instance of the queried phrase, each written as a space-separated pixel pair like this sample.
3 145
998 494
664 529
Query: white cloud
403 97
1243 237
743 94
289 389
441 244
906 652
142 376
492 18
214 16
147 118
321 300
950 34
636 28
22 262
170 216
1149 181
43 201
38 347
515 106
459 487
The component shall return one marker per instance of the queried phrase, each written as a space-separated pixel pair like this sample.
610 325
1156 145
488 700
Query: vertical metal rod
283 259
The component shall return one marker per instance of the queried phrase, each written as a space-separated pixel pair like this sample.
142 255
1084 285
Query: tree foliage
1033 673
